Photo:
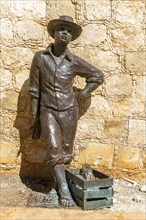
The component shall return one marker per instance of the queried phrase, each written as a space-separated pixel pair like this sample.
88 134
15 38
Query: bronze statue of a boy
51 93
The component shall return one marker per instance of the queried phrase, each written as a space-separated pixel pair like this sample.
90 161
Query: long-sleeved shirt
52 83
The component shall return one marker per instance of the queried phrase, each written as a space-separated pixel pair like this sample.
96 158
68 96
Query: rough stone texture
135 61
115 130
9 151
129 106
130 12
97 154
60 214
128 157
111 134
129 38
140 87
6 79
106 60
119 85
100 10
90 38
137 129
6 27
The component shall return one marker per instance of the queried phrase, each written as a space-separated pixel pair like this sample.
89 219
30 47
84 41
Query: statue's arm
34 85
94 77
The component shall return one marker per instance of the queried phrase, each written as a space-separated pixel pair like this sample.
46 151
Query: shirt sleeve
84 69
34 77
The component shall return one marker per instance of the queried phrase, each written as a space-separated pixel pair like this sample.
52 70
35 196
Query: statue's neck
58 50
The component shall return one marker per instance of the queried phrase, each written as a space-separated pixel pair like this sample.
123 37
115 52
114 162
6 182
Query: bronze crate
90 194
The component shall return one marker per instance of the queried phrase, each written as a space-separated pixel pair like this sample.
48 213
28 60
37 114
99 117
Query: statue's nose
65 31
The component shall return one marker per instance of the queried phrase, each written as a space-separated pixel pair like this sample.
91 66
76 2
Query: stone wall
110 136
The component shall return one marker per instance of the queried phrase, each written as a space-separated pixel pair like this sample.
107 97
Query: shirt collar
68 54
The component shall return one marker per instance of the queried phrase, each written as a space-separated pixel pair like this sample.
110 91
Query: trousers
58 129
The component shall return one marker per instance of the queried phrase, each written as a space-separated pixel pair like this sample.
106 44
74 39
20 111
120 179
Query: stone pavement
14 213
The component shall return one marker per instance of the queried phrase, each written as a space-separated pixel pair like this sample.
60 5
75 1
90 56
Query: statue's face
63 34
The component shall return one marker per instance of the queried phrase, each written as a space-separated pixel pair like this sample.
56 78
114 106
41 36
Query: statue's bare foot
65 198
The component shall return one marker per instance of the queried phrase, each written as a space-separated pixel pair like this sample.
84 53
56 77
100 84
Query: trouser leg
52 136
68 123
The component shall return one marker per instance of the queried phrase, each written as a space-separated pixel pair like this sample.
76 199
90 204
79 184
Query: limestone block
128 157
140 87
137 132
135 61
9 100
9 151
17 57
28 8
97 154
29 30
143 156
98 10
20 77
6 79
93 38
106 60
130 12
115 129
88 129
130 106
129 38
117 85
100 107
6 29
57 8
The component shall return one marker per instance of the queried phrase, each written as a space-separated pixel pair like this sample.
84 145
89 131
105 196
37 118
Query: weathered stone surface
9 151
95 38
17 58
6 79
106 60
89 128
128 38
135 62
130 12
21 76
137 129
9 100
143 156
128 157
100 107
60 214
115 130
97 154
119 85
57 8
140 87
98 10
29 30
129 106
28 8
6 28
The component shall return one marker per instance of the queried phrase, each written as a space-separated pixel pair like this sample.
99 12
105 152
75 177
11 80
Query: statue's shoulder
80 60
39 53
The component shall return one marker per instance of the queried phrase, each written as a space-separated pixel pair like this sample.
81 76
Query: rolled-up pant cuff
65 159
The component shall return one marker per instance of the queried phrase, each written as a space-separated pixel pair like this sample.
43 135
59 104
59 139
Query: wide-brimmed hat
66 21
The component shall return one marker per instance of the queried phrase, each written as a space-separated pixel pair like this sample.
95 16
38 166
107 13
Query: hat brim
54 24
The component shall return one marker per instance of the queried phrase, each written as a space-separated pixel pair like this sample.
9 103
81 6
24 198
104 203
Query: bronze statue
53 100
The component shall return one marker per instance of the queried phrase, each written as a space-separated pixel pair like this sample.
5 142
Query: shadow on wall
33 153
